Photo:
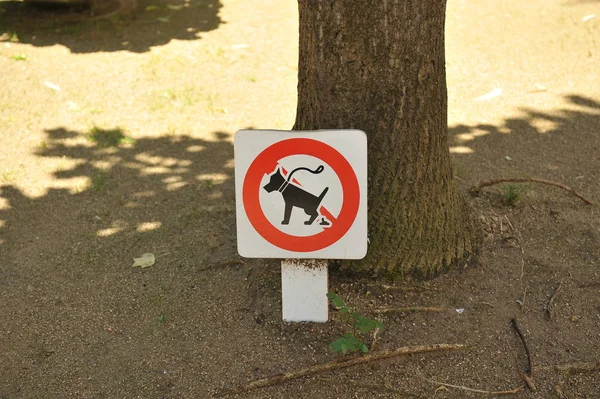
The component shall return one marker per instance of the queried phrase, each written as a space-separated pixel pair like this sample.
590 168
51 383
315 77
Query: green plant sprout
511 194
20 57
350 342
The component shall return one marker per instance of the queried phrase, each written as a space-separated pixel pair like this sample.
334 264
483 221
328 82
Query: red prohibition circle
267 161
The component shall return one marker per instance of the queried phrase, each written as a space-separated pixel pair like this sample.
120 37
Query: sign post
302 195
304 290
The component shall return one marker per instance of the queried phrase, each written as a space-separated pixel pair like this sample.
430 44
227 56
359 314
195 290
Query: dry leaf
588 17
488 96
146 260
52 86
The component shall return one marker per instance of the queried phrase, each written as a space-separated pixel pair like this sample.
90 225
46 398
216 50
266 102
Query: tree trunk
379 66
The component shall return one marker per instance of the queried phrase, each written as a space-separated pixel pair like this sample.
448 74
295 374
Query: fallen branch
476 189
338 364
507 392
411 309
528 375
550 306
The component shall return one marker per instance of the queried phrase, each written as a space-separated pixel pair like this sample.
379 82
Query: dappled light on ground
543 144
460 149
582 120
165 160
136 175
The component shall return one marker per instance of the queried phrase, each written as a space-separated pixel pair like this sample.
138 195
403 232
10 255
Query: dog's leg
313 216
287 213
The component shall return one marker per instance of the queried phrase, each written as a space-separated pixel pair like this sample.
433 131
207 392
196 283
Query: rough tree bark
379 66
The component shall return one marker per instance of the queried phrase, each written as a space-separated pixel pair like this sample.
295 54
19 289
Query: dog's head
276 180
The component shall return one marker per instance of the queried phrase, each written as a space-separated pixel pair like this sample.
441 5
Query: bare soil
116 140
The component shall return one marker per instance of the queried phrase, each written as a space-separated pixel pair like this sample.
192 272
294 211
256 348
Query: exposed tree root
411 309
507 392
476 189
528 375
338 364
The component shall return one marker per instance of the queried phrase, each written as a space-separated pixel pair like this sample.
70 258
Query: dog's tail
323 194
314 172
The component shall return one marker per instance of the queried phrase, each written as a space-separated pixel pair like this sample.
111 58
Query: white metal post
304 290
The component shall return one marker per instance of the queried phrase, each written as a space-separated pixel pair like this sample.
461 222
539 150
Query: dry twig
590 285
507 392
509 223
550 306
387 287
528 375
476 189
570 368
222 265
521 301
338 364
411 309
374 340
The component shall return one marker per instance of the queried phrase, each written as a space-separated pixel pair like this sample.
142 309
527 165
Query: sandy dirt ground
116 140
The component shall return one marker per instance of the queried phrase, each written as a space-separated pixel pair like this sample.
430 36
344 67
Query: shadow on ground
130 190
153 23
562 145
178 190
76 303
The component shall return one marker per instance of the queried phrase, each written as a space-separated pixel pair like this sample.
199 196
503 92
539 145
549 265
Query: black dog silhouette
295 196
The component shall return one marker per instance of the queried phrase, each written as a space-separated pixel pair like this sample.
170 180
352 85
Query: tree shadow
123 197
68 286
152 23
561 145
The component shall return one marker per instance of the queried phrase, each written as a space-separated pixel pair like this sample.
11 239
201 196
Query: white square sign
301 194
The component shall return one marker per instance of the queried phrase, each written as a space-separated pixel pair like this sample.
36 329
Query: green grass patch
8 176
162 100
20 57
101 182
95 110
105 138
